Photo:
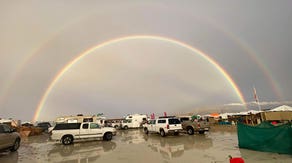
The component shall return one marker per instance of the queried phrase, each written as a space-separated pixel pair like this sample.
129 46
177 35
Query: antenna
256 98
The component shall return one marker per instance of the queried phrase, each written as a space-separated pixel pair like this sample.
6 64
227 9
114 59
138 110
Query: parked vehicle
163 126
79 118
9 138
69 132
134 121
44 126
192 126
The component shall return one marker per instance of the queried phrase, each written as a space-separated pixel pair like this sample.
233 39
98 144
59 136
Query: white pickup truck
69 132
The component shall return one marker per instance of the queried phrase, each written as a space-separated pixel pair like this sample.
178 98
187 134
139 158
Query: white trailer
134 121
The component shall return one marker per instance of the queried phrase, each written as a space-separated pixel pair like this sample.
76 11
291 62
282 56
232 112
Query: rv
134 121
81 118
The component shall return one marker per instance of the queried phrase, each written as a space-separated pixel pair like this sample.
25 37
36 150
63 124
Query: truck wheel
108 136
15 145
67 139
201 132
162 133
146 131
190 131
126 127
116 126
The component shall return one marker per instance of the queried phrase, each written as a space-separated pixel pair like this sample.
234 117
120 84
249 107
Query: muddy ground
135 147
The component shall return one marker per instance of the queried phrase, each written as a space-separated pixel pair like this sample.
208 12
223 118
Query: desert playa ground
134 146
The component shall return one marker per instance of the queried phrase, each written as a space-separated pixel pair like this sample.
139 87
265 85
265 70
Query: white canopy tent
282 108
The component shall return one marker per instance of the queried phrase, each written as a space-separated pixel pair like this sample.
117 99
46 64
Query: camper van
134 121
81 118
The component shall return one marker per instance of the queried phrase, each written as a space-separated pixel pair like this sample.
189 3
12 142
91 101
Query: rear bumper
174 131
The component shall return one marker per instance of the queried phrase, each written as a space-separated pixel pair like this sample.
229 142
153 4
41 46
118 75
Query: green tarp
265 137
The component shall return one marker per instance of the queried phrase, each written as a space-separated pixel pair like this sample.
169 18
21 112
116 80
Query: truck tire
107 136
126 127
162 133
67 139
146 131
15 145
190 130
201 132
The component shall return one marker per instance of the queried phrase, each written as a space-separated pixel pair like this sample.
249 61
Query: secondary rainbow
113 41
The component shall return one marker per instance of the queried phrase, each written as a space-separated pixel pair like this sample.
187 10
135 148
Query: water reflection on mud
80 152
174 146
9 157
135 146
133 136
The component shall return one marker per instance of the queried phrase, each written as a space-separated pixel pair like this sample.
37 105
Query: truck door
84 129
95 130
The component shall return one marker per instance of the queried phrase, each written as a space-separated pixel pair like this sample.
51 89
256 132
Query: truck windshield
173 121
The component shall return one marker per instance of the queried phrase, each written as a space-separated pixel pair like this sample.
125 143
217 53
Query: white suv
163 126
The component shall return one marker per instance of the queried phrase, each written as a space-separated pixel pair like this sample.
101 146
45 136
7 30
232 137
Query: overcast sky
251 40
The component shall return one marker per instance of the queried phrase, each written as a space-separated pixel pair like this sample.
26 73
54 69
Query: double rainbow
59 75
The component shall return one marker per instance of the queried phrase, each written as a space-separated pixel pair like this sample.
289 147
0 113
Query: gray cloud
53 33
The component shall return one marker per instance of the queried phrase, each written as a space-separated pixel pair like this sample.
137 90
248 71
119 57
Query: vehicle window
6 128
151 121
85 126
173 121
161 121
67 126
1 129
94 125
127 121
87 119
184 119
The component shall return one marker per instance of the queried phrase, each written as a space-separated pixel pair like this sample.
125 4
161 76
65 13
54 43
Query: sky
124 57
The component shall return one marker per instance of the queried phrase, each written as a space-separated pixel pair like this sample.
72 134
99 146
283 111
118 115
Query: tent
248 112
215 115
282 108
265 137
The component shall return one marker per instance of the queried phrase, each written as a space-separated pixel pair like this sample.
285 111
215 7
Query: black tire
162 133
146 131
176 133
201 132
108 136
67 139
15 145
126 127
190 130
116 126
